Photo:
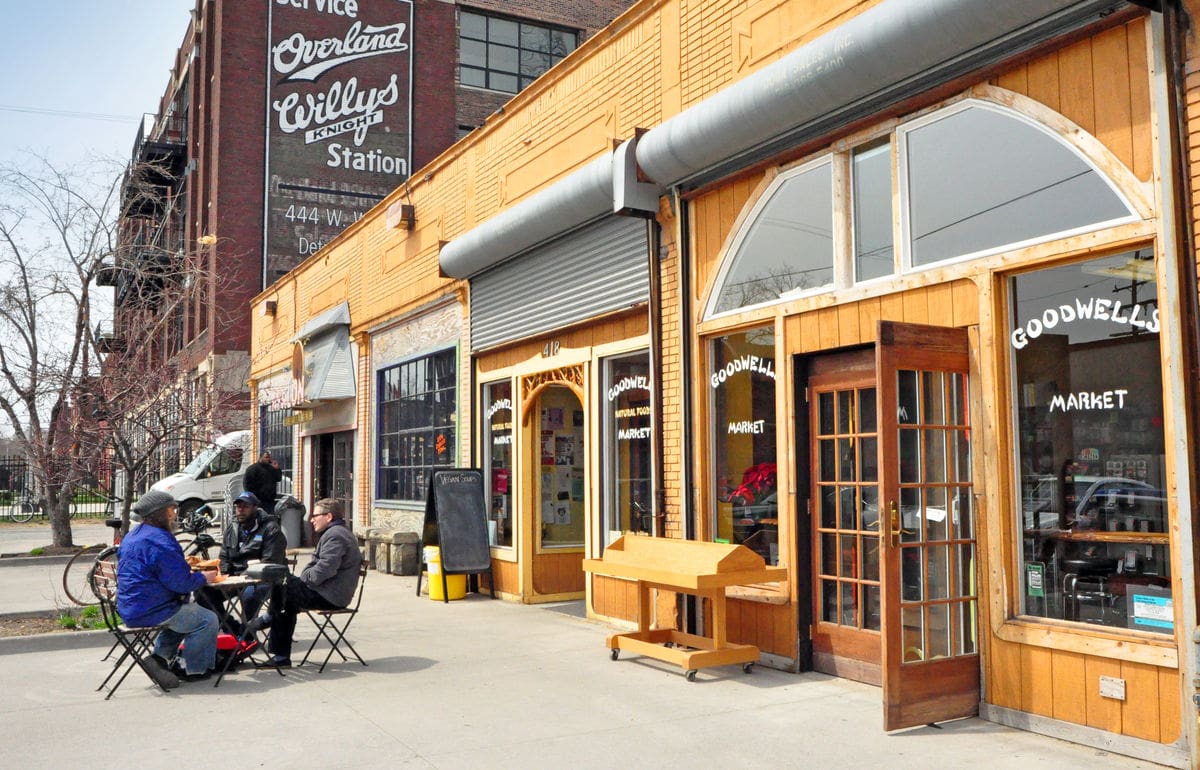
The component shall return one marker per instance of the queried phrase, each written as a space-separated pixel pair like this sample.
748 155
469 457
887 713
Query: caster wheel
748 668
691 675
614 653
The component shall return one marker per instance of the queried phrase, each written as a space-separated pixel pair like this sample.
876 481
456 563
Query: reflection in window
506 54
628 501
415 424
498 466
979 178
789 244
874 253
742 384
1089 431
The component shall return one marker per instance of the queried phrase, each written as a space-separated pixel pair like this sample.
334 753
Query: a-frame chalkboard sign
456 522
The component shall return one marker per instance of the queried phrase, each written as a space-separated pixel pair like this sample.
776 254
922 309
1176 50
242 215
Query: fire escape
147 271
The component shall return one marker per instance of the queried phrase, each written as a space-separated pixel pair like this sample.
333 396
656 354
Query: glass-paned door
930 653
843 428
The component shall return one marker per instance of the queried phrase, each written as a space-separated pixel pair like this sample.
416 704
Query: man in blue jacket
153 583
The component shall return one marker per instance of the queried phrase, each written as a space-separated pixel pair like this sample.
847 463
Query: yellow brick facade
657 59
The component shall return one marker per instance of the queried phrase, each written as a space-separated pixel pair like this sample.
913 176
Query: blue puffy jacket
153 578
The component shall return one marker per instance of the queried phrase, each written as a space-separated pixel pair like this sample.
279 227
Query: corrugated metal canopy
580 197
878 58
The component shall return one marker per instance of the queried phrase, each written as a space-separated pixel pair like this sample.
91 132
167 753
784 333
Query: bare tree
89 400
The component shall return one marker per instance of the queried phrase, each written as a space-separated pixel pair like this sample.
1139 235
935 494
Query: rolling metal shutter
599 268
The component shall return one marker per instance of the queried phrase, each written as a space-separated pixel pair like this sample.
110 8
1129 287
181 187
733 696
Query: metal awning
884 55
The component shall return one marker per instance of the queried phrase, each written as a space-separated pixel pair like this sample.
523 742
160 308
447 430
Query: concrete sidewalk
479 683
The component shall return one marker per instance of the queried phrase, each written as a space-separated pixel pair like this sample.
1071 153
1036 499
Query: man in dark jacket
256 536
262 478
327 583
153 581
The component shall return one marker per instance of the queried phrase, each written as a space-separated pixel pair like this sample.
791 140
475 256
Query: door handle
896 530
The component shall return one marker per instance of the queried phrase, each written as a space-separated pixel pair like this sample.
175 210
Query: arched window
975 178
979 178
787 243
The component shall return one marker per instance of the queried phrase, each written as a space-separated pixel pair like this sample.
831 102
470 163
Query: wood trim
1131 646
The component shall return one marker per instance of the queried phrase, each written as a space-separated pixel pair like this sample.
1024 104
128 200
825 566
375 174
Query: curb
48 642
20 560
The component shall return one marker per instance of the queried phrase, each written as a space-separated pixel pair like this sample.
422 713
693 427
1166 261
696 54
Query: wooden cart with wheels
684 566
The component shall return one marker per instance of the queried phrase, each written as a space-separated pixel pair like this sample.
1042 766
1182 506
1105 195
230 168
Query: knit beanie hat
152 502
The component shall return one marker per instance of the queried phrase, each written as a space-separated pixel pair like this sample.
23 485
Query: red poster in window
500 481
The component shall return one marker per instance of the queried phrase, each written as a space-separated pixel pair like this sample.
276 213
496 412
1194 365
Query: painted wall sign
628 383
339 119
1091 309
757 364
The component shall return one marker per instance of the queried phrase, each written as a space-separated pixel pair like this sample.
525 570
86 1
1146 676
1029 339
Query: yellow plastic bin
456 585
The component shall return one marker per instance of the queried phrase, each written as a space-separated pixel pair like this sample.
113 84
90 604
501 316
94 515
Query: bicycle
81 507
77 575
24 507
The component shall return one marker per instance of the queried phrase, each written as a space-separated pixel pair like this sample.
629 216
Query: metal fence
16 479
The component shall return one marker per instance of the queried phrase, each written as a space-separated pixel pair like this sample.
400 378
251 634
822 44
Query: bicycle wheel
76 578
23 511
109 554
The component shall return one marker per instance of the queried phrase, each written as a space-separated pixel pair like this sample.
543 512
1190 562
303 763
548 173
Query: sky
102 62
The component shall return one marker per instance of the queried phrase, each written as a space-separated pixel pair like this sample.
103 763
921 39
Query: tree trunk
58 510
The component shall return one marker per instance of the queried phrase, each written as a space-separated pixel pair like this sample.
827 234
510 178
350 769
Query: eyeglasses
314 514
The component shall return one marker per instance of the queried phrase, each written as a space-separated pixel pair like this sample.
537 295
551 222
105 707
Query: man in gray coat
327 583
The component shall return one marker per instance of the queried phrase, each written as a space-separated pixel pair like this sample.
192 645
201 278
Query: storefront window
789 245
497 454
742 387
1089 429
628 499
417 410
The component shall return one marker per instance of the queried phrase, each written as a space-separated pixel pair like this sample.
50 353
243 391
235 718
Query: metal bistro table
233 586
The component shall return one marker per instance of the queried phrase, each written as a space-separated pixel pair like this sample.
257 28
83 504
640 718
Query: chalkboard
456 521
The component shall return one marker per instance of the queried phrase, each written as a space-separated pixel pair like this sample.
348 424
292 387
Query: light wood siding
770 627
600 332
614 598
507 575
1101 83
558 573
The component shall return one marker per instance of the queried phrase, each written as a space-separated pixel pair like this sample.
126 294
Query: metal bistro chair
326 621
136 642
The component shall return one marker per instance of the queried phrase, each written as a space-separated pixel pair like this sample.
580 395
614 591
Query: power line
71 114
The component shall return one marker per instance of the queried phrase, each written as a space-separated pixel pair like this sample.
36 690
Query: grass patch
87 619
37 551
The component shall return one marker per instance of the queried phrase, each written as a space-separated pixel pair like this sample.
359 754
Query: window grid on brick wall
417 407
275 437
504 54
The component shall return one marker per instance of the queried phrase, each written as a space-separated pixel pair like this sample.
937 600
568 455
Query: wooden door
927 543
844 452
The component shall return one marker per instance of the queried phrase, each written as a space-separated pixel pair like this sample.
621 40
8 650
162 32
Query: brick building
284 121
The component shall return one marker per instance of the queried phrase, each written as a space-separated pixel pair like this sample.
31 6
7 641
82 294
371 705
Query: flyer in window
564 450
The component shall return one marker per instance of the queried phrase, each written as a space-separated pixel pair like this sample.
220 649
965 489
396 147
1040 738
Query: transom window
416 424
507 54
973 179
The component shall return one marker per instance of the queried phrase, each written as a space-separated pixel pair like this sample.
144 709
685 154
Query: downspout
1176 23
687 496
654 309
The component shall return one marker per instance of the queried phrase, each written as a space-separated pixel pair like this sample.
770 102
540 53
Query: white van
205 477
